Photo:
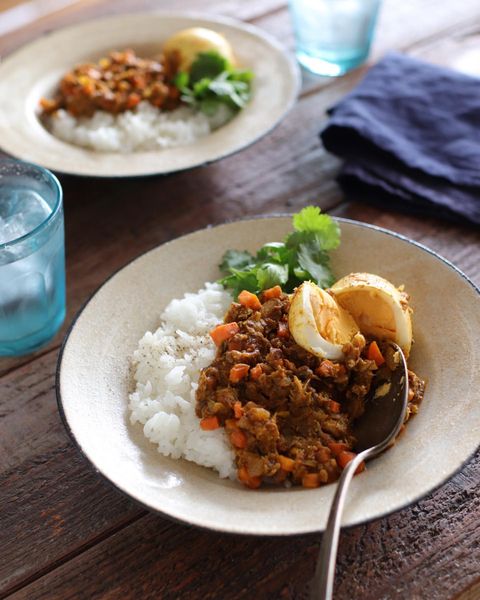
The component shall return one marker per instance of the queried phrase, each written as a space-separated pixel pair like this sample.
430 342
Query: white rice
145 128
167 368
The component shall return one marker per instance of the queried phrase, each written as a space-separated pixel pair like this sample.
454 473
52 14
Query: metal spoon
374 431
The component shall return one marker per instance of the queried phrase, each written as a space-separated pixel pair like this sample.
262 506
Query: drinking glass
32 257
333 36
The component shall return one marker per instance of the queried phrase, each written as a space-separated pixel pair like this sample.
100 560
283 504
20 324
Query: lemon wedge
318 324
380 309
190 42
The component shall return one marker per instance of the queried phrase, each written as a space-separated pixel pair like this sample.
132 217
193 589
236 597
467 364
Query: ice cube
21 211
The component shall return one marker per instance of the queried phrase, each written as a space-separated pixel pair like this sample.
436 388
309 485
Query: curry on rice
287 413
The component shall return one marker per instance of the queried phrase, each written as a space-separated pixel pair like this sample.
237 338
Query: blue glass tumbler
333 36
32 257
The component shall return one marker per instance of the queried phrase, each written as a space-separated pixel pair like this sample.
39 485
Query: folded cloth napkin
410 136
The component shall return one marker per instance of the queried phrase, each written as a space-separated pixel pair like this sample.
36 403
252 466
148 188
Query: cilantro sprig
213 81
303 255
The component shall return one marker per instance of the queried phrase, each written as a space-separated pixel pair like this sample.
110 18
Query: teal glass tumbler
32 257
333 36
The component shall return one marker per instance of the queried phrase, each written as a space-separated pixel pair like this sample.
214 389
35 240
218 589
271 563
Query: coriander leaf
241 280
208 65
310 219
181 80
201 87
316 261
235 259
277 252
301 274
302 256
270 274
306 219
245 76
213 81
221 88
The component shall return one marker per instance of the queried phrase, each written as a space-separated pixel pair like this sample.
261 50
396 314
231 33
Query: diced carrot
335 407
254 482
283 331
238 372
209 423
375 354
274 292
243 474
223 332
286 463
133 100
337 447
248 480
48 105
238 410
345 457
249 300
360 468
256 372
310 480
238 438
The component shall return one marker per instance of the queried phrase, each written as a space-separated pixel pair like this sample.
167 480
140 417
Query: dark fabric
410 136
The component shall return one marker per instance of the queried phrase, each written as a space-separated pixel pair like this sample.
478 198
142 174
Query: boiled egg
190 42
380 309
318 323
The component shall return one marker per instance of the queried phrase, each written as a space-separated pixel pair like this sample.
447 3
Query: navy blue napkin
410 137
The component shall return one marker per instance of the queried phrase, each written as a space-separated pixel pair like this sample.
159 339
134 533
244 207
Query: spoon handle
322 583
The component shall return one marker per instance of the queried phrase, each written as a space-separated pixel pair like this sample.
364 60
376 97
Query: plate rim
293 69
190 523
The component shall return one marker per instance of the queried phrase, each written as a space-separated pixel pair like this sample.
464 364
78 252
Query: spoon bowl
374 431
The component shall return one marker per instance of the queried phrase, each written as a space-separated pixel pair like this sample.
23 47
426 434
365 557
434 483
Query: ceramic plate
35 70
94 380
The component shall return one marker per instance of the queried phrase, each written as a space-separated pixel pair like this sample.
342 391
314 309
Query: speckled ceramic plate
35 70
93 383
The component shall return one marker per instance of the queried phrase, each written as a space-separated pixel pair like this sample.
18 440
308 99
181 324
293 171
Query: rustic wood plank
458 243
52 503
89 9
387 559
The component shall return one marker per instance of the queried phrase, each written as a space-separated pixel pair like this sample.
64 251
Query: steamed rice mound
143 129
167 366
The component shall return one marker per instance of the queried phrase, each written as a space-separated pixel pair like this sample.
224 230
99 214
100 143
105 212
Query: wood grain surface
64 532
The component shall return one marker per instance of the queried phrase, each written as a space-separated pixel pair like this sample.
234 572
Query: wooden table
64 532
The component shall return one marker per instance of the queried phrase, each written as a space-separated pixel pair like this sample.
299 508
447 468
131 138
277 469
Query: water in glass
32 269
333 36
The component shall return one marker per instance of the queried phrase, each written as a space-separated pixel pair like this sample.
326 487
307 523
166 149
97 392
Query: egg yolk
333 322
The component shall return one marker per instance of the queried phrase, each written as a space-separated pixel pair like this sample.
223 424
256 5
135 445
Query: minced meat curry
287 413
116 83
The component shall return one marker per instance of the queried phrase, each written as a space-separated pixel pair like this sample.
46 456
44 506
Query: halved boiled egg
318 324
380 309
190 42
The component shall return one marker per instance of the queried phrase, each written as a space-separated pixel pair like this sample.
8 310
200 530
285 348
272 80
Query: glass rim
57 189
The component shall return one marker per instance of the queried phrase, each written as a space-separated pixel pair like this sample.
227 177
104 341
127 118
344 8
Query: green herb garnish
303 255
213 81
